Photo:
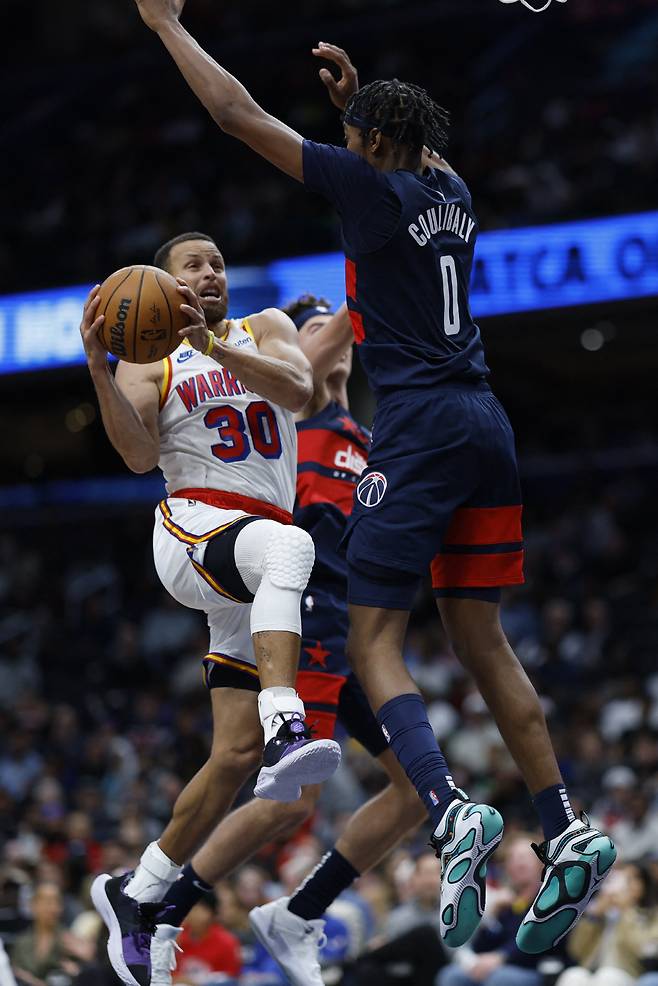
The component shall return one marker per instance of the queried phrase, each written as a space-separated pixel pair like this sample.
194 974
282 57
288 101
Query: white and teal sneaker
464 840
575 865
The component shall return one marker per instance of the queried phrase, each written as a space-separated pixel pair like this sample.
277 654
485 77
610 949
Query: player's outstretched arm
129 404
325 347
279 371
226 99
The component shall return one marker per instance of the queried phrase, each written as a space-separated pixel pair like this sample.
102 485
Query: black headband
352 120
308 313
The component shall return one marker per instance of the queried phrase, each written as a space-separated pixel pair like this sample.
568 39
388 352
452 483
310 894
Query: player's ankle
275 706
153 876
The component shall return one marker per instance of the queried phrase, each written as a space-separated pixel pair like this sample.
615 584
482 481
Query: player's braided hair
402 111
305 302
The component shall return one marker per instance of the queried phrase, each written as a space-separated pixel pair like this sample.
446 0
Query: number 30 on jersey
241 433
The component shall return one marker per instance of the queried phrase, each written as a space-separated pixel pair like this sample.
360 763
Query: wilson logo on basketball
371 489
118 330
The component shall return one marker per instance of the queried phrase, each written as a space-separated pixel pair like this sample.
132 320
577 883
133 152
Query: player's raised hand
340 90
196 332
155 13
89 328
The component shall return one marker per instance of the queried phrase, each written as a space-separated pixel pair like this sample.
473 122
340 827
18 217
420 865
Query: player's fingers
193 314
336 54
96 325
93 294
328 79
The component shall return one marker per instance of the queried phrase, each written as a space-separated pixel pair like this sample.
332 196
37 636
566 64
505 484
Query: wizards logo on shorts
371 489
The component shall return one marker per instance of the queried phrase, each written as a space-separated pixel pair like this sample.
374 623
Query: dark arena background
103 714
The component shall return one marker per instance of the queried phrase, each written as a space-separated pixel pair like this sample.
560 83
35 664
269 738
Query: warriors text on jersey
333 452
215 434
409 242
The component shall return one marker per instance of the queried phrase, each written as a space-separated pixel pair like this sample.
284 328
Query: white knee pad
275 562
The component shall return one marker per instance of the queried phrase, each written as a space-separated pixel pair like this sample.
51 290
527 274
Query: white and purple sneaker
131 926
292 759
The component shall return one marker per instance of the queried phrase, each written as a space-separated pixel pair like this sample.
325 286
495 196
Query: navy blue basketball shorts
441 493
329 690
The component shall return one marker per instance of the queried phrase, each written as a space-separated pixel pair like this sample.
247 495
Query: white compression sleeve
275 563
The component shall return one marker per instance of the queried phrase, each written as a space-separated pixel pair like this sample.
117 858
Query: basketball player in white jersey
217 417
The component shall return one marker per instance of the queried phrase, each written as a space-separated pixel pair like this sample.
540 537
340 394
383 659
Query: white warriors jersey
215 434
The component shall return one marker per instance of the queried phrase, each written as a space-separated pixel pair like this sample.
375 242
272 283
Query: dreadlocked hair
304 303
404 112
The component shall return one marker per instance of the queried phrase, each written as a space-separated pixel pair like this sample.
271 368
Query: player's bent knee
288 559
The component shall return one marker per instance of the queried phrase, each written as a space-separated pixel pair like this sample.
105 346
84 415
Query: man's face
200 263
343 365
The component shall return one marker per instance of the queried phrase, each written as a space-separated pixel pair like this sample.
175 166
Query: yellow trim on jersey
165 385
213 583
232 663
185 536
247 328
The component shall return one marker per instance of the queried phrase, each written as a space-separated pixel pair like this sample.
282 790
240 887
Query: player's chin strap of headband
303 317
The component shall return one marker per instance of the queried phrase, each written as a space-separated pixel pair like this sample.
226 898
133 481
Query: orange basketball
142 314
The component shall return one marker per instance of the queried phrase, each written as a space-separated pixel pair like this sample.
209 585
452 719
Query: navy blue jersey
332 454
409 241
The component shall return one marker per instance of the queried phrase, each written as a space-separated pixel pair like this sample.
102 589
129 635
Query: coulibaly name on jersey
441 219
118 330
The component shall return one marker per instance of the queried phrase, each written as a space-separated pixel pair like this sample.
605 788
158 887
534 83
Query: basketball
142 312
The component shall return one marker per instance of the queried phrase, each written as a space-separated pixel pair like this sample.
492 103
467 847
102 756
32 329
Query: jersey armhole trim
247 328
165 385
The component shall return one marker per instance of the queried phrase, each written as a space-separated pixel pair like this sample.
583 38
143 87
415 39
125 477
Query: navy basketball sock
405 725
554 810
184 893
333 875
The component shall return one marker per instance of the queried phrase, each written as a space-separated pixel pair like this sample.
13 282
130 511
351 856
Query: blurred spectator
207 947
47 947
421 907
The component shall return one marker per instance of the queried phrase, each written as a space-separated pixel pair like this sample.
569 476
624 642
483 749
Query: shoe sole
535 937
114 944
311 764
463 913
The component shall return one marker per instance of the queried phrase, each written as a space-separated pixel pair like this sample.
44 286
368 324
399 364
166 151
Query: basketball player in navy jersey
332 453
442 488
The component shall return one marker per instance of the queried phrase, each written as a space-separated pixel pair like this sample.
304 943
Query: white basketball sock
154 875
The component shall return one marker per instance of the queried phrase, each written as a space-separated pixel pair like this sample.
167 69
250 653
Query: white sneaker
163 954
464 840
575 865
291 941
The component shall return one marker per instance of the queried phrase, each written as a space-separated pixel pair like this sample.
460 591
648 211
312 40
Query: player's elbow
232 117
141 464
301 393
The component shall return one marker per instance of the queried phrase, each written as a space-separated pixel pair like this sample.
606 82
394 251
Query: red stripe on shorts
477 571
315 686
485 525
